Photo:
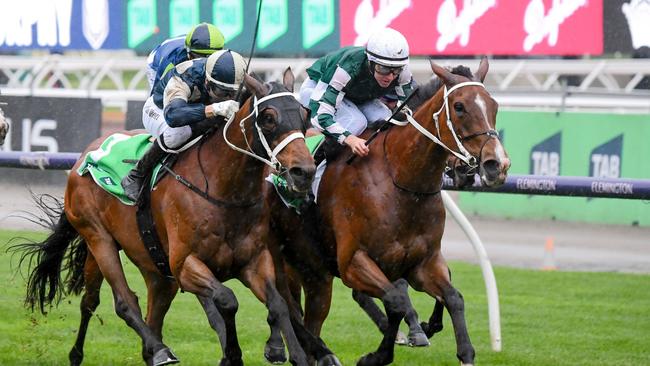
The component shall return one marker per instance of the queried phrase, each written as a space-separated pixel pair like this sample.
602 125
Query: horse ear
255 86
444 74
288 79
482 69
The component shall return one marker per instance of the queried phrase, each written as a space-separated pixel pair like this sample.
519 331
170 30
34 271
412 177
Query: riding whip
387 121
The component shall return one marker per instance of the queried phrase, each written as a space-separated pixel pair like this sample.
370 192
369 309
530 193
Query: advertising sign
571 144
626 25
455 27
51 124
62 24
287 27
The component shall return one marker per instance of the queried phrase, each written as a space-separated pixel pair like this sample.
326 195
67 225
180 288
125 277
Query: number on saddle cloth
114 159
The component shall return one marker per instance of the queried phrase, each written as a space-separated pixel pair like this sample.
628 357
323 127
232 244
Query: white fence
538 84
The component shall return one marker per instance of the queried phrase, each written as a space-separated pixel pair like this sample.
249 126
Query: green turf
548 318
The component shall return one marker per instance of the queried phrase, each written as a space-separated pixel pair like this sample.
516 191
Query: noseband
462 153
273 162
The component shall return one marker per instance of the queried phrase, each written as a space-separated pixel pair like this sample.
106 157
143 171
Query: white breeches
154 122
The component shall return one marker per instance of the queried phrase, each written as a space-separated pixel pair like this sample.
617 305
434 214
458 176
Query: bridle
272 160
462 152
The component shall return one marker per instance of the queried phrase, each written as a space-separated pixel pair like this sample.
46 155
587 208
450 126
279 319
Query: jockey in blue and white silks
183 105
201 41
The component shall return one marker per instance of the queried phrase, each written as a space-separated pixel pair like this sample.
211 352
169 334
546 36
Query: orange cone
549 255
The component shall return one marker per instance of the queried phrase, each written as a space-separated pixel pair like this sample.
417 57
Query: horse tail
64 250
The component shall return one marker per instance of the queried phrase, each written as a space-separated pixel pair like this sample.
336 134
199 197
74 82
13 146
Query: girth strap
148 233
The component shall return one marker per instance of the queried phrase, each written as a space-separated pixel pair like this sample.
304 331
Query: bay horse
209 238
381 218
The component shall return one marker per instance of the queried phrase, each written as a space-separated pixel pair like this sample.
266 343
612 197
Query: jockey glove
226 109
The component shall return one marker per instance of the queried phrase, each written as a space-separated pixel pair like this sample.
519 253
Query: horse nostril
303 173
491 168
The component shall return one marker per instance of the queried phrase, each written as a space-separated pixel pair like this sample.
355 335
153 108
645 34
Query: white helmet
226 69
388 47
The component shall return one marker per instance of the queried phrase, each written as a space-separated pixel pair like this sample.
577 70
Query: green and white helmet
388 47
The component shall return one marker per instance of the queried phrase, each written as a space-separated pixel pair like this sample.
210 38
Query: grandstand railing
607 84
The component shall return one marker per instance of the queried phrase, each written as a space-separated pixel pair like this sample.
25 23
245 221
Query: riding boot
329 150
132 183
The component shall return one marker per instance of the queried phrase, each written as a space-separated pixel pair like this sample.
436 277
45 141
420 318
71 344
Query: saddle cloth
107 164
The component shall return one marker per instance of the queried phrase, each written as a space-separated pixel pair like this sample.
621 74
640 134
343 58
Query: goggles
386 70
220 93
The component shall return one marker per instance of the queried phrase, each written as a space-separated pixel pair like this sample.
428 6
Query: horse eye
268 122
458 107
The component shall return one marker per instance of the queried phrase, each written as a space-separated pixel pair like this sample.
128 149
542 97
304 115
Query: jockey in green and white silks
343 87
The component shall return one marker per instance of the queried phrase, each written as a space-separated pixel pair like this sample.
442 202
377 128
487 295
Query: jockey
182 107
202 41
344 87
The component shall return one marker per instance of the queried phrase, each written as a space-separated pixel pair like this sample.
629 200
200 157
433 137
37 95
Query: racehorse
4 127
381 218
208 237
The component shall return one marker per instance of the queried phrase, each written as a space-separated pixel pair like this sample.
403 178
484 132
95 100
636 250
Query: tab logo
605 160
545 156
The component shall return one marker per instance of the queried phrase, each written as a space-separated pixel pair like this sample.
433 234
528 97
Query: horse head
470 115
281 122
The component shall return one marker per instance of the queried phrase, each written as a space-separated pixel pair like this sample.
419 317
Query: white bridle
273 162
464 155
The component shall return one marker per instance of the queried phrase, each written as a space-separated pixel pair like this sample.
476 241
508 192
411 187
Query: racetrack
516 243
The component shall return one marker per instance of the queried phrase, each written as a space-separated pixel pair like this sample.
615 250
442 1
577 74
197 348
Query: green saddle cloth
106 164
289 198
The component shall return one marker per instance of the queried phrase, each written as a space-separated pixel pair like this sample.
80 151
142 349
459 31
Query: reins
463 154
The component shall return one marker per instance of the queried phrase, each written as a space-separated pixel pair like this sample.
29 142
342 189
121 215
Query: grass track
547 318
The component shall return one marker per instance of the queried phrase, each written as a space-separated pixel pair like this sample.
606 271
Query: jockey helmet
388 47
204 39
225 69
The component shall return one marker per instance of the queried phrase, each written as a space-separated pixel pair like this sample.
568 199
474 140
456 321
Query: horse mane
426 91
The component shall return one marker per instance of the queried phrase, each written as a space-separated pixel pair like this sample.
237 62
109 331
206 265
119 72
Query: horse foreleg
362 273
218 302
93 279
434 277
416 337
260 277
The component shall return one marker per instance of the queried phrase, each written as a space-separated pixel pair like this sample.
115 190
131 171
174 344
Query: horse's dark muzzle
302 177
492 172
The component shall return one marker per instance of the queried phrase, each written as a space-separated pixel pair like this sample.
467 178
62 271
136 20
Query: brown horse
209 238
381 218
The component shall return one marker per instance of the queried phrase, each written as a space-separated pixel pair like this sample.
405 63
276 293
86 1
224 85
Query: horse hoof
401 339
275 355
164 356
76 357
418 339
329 360
373 359
430 330
227 362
